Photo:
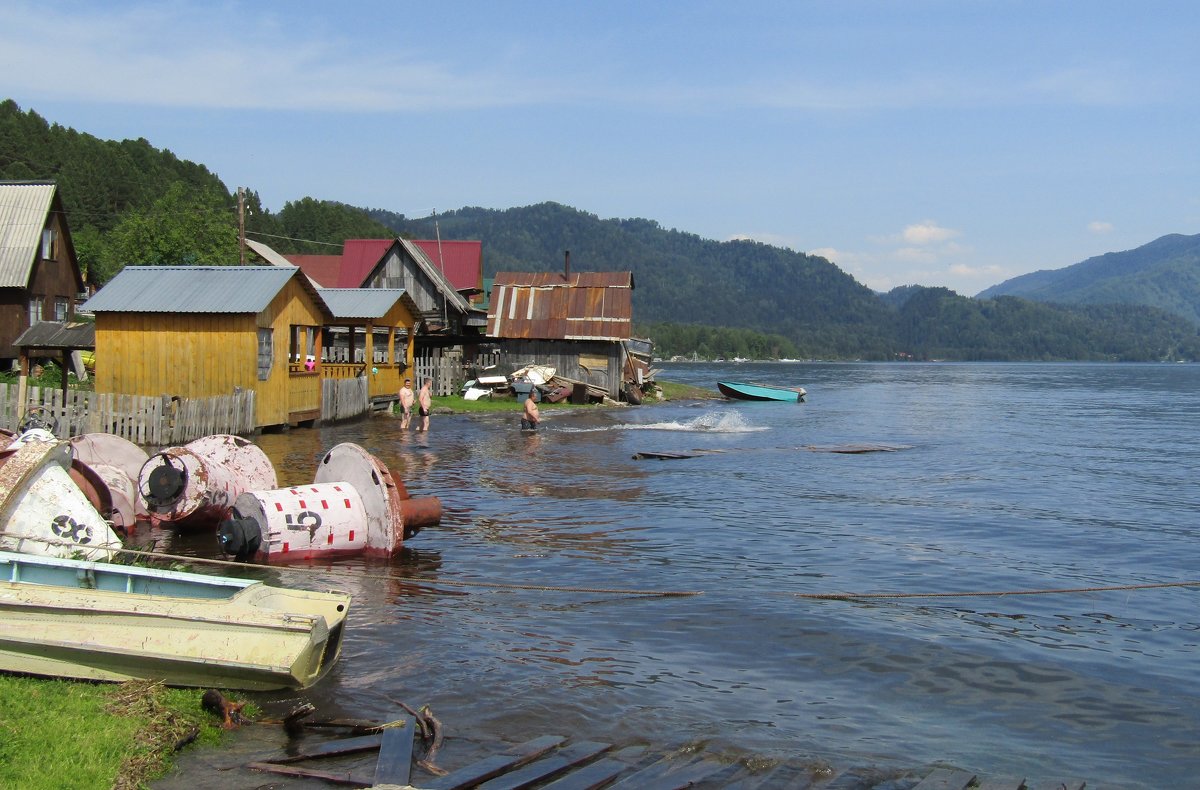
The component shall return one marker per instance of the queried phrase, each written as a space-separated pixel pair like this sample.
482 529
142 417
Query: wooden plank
999 783
495 765
395 754
945 779
560 761
362 743
1059 784
598 773
346 780
669 774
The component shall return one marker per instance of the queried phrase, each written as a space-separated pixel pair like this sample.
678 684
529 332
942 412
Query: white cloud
1100 228
927 232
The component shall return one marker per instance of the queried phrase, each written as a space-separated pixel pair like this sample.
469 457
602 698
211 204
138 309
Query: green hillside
129 203
1164 273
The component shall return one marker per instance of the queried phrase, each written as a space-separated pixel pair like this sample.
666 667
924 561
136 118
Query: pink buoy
196 485
110 465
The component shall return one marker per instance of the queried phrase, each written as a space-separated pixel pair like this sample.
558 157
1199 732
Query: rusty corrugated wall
553 306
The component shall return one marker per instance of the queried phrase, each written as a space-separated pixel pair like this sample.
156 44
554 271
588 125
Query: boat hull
67 618
738 390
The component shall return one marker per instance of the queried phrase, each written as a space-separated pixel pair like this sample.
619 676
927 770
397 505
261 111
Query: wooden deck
554 762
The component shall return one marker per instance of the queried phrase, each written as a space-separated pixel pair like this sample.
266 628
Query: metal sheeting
23 212
191 289
553 306
58 335
365 302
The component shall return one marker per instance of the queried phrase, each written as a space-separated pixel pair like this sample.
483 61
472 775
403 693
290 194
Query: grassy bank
64 734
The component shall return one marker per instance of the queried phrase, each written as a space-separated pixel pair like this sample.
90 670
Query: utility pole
241 226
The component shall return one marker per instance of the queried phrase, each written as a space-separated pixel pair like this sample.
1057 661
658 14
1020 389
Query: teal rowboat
742 391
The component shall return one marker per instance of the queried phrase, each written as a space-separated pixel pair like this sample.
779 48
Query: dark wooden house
40 279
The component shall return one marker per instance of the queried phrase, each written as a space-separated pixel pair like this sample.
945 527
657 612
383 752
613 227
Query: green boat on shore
99 621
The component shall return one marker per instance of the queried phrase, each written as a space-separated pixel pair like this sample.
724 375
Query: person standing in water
407 399
530 417
424 404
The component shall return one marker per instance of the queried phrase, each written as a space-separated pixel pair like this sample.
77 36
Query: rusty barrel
196 485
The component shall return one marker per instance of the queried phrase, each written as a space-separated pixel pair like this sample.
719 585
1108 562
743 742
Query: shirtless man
424 404
407 399
530 418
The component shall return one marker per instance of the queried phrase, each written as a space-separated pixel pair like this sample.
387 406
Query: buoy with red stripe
355 506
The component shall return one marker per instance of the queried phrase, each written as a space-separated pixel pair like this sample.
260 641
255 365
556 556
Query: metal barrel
196 485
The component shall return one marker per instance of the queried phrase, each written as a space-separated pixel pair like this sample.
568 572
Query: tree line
129 203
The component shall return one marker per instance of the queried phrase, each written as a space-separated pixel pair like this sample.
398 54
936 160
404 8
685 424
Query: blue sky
956 143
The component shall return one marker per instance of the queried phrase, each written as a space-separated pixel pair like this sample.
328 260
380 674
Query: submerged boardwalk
555 762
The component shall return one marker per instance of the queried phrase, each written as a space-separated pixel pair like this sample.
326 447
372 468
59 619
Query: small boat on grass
739 390
102 621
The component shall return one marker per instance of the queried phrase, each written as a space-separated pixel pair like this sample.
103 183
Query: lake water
1002 478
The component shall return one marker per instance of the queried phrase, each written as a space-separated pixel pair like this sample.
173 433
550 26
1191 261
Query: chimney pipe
567 266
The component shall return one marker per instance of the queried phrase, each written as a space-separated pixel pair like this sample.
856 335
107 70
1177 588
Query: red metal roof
461 262
551 306
359 257
323 269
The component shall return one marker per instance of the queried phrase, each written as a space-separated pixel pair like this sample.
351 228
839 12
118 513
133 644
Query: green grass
68 734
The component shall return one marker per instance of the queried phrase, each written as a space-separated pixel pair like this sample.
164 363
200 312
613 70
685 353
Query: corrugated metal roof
268 254
23 211
553 306
365 302
192 289
359 257
461 261
58 335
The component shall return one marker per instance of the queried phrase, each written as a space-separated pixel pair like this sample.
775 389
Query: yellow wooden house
206 331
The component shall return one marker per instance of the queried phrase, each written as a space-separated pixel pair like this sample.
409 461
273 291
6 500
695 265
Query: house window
49 244
36 305
62 307
266 353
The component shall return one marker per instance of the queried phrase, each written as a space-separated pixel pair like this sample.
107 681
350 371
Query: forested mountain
1164 273
131 204
679 277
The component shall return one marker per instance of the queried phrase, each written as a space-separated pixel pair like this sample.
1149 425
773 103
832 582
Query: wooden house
40 279
371 335
578 323
204 331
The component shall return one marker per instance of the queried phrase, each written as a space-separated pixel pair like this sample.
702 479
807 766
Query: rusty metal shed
557 306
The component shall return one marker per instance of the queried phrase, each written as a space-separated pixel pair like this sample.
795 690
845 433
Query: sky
953 143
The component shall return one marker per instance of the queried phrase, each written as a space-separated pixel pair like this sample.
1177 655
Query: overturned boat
101 621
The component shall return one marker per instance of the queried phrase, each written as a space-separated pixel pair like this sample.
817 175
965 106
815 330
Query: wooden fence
342 399
146 421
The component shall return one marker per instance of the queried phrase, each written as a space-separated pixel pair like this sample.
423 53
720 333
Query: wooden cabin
204 331
578 323
40 279
371 335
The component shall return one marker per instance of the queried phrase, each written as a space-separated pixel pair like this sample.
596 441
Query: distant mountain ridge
1164 273
130 203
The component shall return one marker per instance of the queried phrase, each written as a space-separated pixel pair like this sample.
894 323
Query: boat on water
101 621
739 390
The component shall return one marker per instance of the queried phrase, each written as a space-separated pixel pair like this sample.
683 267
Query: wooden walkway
553 762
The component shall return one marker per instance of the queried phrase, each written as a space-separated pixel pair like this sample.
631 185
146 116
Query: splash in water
709 422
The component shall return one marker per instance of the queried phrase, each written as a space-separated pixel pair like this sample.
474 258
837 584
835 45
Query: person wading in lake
424 404
407 398
530 417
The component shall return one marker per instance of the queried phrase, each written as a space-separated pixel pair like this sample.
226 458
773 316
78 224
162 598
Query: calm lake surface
1006 478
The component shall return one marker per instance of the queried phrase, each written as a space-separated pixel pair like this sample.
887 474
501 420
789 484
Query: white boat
100 621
